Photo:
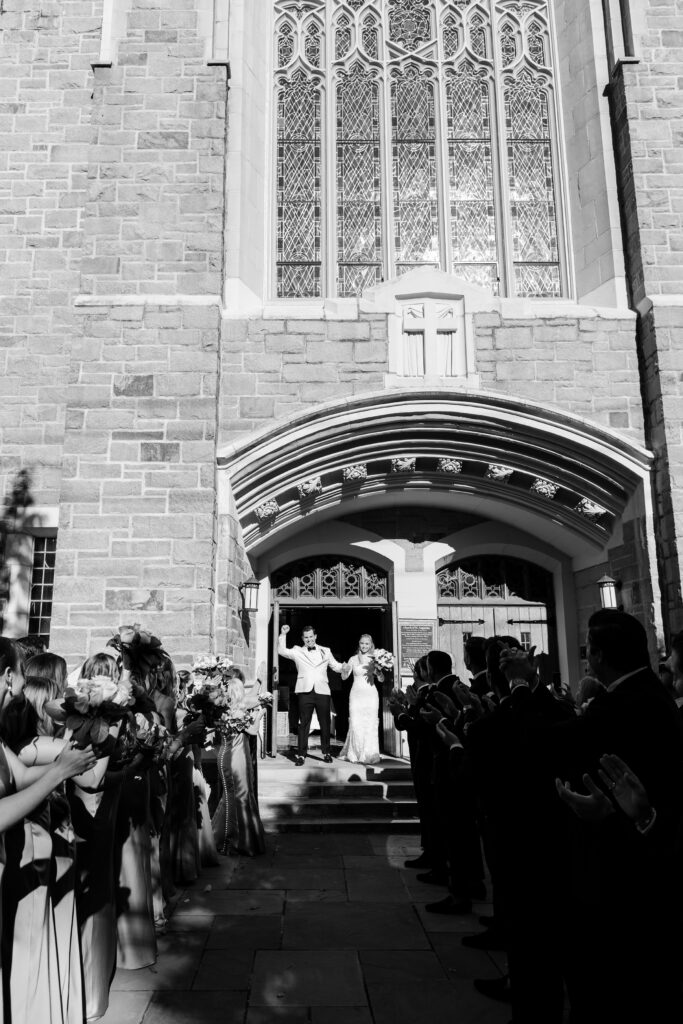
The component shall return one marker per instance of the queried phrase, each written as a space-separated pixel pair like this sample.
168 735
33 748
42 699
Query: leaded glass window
416 133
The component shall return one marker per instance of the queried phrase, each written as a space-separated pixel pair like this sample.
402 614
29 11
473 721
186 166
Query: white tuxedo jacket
311 666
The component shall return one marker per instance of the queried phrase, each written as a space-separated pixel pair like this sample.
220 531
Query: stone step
274 790
337 809
398 826
331 774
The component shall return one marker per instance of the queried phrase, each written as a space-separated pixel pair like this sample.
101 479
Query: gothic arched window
416 133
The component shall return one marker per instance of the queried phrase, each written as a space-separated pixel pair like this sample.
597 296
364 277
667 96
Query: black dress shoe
327 758
417 863
489 940
494 988
450 906
433 878
486 920
299 760
478 892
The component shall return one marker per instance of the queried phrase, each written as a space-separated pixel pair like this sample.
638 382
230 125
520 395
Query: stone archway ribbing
513 452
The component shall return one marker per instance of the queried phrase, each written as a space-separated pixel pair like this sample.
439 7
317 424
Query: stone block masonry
647 112
136 538
153 219
273 369
45 84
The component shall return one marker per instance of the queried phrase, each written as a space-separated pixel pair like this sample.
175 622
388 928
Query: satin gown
182 820
237 823
94 818
40 929
362 739
137 945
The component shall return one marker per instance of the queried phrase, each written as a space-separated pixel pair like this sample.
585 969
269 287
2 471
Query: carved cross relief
433 340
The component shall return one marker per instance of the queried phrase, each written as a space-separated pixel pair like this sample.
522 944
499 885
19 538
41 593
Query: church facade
377 303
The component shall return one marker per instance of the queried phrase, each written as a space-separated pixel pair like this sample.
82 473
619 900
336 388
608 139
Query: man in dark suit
474 650
621 962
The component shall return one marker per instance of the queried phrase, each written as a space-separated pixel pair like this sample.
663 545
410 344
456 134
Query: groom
312 687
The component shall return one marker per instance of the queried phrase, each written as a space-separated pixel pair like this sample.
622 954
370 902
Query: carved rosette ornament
405 464
266 510
544 488
355 473
590 509
311 487
500 473
452 466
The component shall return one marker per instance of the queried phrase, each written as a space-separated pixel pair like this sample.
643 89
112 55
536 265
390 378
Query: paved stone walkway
325 929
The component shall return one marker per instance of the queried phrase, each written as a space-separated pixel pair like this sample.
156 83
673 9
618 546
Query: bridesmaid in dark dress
237 823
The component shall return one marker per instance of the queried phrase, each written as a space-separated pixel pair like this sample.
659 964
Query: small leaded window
42 585
416 133
335 579
490 578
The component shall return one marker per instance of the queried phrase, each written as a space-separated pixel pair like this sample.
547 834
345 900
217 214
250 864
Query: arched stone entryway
509 477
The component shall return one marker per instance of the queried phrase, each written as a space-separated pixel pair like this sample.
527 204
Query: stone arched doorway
508 478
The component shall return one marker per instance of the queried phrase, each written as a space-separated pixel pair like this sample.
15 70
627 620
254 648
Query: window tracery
416 133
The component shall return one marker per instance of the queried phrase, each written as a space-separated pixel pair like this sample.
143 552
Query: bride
362 741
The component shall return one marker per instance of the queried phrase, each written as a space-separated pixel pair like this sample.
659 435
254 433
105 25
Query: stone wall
136 538
275 368
45 86
647 107
137 504
585 365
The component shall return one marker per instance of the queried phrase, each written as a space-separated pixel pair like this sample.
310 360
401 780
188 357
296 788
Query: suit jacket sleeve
283 650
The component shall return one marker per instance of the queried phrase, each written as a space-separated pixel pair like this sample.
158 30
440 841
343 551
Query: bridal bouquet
384 660
90 707
206 692
211 668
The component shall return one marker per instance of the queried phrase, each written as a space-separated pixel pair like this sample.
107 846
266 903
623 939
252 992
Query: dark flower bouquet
143 649
233 721
89 708
149 738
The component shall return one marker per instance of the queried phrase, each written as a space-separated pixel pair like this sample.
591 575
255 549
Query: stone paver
324 929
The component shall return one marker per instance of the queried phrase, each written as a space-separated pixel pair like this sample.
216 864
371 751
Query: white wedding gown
362 741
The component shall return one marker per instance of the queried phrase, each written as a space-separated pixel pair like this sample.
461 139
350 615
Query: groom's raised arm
282 645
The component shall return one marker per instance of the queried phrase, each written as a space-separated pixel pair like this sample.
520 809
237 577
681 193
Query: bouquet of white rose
384 660
90 707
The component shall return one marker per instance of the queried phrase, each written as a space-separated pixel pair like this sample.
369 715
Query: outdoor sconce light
608 592
249 591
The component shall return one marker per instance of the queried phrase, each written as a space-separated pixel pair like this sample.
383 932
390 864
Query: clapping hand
411 695
596 806
462 694
448 708
447 736
624 787
431 715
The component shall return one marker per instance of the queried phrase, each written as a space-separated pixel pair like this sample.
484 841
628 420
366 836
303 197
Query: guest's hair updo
48 666
366 636
236 692
38 690
101 665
